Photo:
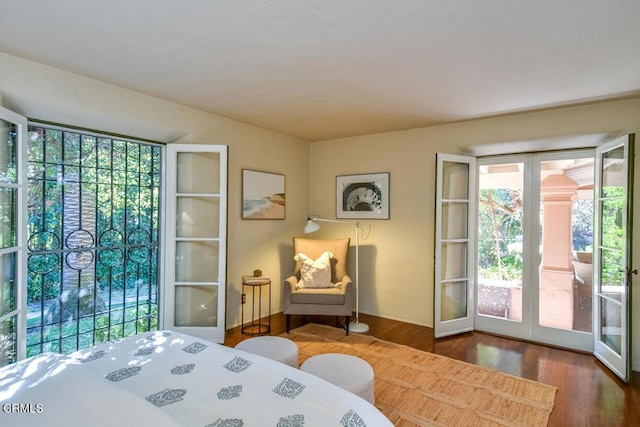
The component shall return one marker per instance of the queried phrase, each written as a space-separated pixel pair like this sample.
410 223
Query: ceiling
333 68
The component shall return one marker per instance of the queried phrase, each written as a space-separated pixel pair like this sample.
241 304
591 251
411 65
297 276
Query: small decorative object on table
257 273
256 327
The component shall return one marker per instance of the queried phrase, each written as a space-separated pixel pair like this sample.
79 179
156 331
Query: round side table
256 327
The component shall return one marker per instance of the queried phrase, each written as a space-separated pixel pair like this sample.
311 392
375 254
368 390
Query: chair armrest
348 288
289 287
346 281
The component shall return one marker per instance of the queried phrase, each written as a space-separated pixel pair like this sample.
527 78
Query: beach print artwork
263 195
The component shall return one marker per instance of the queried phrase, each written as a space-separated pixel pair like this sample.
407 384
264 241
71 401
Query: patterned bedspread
168 378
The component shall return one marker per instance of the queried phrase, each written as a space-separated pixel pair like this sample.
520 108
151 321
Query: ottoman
275 348
348 372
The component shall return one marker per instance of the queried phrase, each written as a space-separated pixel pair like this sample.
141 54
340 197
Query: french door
195 236
535 215
504 231
454 244
612 254
13 290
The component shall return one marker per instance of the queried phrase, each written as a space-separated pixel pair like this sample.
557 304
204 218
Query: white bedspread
165 378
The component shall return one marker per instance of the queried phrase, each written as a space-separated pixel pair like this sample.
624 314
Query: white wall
46 93
397 268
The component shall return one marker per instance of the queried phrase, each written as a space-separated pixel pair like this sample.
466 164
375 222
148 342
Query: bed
165 378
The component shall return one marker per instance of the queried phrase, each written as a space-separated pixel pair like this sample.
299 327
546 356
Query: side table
256 327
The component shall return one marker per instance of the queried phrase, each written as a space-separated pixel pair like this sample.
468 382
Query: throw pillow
315 273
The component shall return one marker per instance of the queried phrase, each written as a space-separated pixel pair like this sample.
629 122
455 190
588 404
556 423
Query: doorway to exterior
534 247
536 294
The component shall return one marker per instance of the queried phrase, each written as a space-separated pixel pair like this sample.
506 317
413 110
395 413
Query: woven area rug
417 388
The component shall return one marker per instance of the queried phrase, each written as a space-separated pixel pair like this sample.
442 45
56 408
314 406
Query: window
92 241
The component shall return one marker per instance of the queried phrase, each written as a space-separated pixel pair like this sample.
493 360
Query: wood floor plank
588 393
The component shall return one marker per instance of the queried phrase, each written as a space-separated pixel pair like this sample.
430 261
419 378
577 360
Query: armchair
583 277
332 301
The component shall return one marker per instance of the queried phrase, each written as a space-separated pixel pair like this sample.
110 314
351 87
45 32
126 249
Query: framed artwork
363 196
263 195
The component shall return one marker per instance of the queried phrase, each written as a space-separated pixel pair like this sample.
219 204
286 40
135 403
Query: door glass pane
454 220
8 344
612 273
7 283
8 135
198 217
456 180
196 261
454 300
611 324
191 167
7 217
196 306
500 239
454 260
612 231
613 178
566 234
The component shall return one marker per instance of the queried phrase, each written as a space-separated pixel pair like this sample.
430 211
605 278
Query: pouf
275 348
348 372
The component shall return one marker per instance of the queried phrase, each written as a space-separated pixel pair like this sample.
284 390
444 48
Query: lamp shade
311 227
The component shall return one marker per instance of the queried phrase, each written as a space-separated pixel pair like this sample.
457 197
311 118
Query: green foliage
510 272
500 231
70 336
500 234
582 225
613 237
118 175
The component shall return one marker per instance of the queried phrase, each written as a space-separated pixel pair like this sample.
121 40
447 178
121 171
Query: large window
93 216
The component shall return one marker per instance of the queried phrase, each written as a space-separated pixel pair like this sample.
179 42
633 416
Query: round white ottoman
275 348
348 372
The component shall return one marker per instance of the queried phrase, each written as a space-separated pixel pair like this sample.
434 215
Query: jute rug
417 388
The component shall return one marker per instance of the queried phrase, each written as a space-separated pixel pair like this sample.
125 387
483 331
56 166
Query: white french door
612 254
195 237
13 228
454 244
502 294
535 216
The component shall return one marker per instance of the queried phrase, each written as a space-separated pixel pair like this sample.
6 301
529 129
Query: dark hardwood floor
588 394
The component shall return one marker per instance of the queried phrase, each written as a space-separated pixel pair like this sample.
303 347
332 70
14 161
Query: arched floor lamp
311 227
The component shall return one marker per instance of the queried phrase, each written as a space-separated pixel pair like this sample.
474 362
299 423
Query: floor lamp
313 226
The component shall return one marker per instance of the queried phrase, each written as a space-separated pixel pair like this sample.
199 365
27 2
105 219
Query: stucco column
556 280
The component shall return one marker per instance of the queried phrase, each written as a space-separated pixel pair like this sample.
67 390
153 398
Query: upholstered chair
330 299
583 280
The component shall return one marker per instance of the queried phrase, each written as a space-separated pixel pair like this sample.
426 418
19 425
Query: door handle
629 272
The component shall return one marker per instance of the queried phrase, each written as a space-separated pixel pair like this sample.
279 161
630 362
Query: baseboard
237 324
399 319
